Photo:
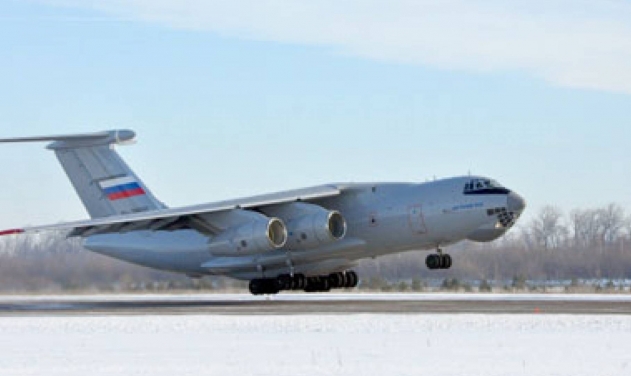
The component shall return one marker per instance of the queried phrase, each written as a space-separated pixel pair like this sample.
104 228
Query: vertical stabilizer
103 181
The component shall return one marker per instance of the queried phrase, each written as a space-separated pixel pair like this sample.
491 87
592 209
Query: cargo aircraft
306 239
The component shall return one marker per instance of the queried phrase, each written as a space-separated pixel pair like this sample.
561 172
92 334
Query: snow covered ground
325 296
365 344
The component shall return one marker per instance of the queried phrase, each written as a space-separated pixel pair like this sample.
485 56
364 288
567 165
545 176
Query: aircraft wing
179 218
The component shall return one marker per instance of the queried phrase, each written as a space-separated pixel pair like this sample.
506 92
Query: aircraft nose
515 202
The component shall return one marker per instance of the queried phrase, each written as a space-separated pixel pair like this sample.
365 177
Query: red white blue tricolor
119 188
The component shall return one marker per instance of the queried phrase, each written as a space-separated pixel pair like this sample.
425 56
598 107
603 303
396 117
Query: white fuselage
381 219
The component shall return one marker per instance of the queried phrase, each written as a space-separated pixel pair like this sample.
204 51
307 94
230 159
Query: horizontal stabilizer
78 140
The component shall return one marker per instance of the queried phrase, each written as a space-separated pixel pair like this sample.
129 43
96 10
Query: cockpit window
484 186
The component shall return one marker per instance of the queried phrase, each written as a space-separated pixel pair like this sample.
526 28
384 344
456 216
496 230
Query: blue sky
245 97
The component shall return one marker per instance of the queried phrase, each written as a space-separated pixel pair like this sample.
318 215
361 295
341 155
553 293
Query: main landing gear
269 286
438 260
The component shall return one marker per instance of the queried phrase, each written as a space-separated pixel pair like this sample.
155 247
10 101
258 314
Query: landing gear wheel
438 261
433 261
446 262
352 280
339 280
325 285
299 282
264 286
318 284
285 282
312 284
257 287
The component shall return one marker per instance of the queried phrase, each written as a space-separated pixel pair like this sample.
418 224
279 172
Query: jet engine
255 236
309 226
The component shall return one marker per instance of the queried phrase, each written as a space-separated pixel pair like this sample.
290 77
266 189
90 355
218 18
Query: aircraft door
416 219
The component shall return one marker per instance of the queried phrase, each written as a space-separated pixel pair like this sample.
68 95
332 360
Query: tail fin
103 181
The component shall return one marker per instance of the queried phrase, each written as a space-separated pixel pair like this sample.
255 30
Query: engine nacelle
309 226
253 237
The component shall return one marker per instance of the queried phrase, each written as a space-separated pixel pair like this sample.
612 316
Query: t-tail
105 184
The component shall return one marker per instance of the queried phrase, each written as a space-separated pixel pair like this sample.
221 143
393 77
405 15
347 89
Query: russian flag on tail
120 188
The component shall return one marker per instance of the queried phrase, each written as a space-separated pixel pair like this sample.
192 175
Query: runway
305 304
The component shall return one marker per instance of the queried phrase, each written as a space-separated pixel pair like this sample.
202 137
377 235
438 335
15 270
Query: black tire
336 280
264 286
344 280
311 284
292 284
332 278
271 286
433 261
300 281
352 280
284 282
256 287
325 284
446 262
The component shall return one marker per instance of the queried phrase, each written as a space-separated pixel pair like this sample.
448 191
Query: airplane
306 239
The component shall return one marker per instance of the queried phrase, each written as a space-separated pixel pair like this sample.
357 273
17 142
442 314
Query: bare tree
547 228
597 227
611 223
627 227
585 225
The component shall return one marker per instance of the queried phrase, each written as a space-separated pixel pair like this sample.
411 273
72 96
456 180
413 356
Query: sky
242 97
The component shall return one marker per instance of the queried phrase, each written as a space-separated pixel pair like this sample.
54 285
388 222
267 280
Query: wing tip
13 231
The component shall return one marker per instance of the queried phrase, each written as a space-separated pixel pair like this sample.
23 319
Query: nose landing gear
438 260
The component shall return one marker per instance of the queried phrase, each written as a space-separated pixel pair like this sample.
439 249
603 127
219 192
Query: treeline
581 244
578 247
53 264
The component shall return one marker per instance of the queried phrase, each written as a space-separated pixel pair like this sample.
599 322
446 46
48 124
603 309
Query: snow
363 344
326 296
